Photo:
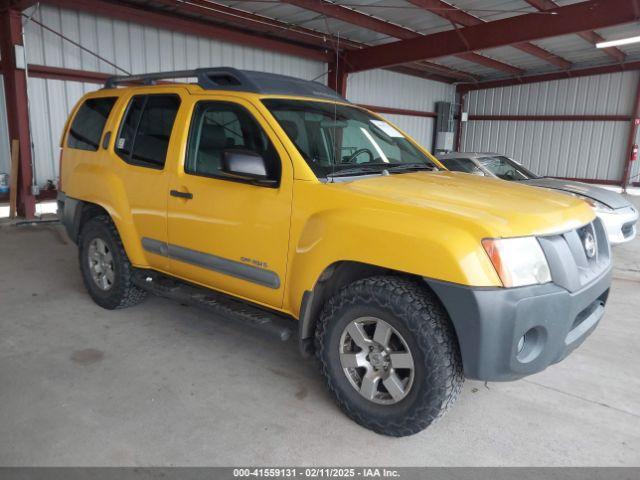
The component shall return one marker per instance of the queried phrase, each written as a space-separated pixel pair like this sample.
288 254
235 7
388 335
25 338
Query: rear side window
88 124
146 130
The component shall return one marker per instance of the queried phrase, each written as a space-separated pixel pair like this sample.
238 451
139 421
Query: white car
618 216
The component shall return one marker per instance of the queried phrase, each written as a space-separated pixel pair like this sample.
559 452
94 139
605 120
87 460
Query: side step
215 302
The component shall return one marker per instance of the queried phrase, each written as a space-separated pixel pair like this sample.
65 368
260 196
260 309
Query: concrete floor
163 384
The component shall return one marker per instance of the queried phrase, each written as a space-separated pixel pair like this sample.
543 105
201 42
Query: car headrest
290 128
212 137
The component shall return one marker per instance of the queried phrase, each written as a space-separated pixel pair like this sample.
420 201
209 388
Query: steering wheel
510 175
359 152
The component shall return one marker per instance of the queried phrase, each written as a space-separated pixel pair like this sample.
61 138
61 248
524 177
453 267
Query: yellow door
225 233
140 145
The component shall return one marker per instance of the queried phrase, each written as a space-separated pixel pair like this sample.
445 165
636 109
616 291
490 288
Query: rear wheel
106 270
389 355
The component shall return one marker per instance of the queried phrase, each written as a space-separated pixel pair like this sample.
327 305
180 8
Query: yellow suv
273 199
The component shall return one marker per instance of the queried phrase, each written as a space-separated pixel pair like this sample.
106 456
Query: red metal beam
57 73
416 71
18 5
573 18
551 118
546 77
633 130
375 24
589 35
456 15
490 62
399 111
447 71
15 89
190 26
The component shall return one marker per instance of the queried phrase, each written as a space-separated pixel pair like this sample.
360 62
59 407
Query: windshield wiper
364 168
410 166
379 167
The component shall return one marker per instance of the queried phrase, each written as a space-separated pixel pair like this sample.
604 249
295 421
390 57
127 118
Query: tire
419 325
116 291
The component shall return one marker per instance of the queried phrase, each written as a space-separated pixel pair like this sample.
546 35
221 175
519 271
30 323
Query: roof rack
227 78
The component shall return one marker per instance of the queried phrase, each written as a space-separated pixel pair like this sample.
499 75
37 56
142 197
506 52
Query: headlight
518 261
599 207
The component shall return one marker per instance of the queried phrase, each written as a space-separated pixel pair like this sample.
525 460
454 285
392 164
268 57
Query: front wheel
389 355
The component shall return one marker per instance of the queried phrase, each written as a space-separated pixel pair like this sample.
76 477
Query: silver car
617 214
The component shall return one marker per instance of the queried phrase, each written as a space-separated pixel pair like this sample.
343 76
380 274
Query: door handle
185 195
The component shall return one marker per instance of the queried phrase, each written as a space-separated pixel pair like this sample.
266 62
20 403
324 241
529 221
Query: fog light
531 344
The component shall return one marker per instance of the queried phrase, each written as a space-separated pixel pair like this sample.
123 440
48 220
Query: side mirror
246 165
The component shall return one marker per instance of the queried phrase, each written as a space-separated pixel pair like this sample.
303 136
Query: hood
610 199
498 208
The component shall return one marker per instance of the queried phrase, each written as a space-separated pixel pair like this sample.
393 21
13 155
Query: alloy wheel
376 360
101 265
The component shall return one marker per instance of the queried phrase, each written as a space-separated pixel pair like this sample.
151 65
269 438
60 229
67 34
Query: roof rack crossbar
221 78
228 78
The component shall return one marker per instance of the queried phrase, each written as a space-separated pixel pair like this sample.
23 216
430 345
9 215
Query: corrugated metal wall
389 89
50 102
577 149
133 47
5 155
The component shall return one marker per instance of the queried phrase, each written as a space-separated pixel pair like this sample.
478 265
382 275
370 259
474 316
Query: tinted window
217 126
461 165
505 168
146 130
87 126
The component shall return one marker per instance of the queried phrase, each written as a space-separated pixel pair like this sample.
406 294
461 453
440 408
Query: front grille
627 229
584 314
577 257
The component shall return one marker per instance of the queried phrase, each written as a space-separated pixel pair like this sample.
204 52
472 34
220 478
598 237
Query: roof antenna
336 154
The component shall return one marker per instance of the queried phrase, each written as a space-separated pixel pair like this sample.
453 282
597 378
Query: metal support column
15 89
633 129
460 123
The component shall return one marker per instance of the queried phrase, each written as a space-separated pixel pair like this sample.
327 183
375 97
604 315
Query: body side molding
267 278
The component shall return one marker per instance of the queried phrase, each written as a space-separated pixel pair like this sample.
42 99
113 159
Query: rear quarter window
87 126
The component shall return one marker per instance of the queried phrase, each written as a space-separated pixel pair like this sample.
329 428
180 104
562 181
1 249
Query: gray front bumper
490 322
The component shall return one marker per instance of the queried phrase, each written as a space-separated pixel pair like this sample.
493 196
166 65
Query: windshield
465 165
505 168
338 140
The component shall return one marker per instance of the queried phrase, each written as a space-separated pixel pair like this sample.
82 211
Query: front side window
146 130
86 130
339 139
461 165
220 126
505 168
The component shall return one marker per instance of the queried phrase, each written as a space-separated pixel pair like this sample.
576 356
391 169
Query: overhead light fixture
615 43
